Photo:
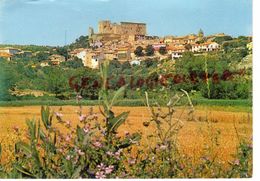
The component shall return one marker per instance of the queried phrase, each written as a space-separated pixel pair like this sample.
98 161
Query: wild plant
162 159
91 150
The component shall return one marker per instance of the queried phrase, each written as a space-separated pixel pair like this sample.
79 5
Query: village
127 41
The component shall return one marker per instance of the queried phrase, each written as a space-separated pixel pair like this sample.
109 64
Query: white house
82 54
10 50
205 47
176 55
93 59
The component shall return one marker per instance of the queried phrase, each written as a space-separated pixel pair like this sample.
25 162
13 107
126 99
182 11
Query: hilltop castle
109 31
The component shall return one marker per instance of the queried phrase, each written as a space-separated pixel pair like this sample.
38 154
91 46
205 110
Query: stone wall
124 28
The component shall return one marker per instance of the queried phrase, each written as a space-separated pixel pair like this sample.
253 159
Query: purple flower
82 117
78 98
97 144
117 154
68 124
109 153
163 147
60 150
100 175
236 162
68 157
101 166
58 114
109 169
86 128
68 137
80 152
131 161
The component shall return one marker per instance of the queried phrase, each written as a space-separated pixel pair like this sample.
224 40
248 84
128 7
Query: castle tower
90 32
105 27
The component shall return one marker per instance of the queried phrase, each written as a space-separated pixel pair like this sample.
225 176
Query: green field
223 104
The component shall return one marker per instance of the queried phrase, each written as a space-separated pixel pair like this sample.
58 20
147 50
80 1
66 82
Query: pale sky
44 22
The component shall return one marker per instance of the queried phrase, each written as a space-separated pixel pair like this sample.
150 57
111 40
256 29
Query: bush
139 51
226 90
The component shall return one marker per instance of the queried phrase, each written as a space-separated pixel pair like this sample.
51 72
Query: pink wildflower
97 144
109 153
68 157
100 175
127 133
236 162
80 152
109 169
68 137
117 154
86 128
163 147
58 114
131 161
78 98
82 118
101 166
68 124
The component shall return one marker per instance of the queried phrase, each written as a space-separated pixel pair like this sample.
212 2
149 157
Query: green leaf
117 94
23 147
42 135
46 117
76 173
23 171
117 121
38 131
32 130
80 134
103 96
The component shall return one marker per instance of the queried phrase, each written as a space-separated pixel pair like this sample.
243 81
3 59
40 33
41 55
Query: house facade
205 47
93 59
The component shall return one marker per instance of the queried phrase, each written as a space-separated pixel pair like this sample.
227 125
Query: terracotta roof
4 54
175 48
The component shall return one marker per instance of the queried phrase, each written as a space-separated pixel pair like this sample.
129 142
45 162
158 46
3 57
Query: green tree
42 56
81 42
8 80
56 81
126 65
149 50
74 63
63 51
188 47
222 39
139 51
162 50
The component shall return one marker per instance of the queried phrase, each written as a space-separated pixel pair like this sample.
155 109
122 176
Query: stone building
124 28
108 31
93 59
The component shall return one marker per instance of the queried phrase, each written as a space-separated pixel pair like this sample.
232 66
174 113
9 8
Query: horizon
69 20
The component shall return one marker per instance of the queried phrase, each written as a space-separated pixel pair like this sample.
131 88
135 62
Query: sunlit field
209 124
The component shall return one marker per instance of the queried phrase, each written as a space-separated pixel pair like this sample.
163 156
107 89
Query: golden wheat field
194 137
